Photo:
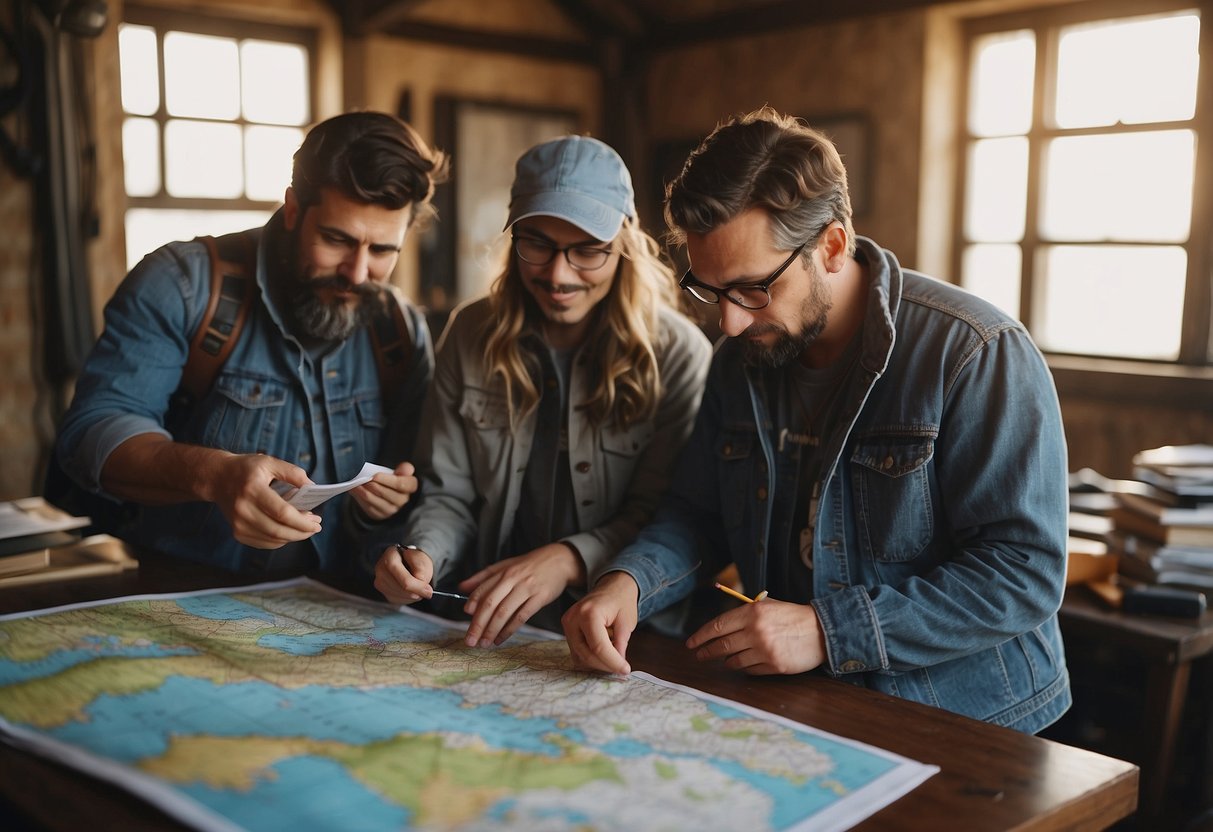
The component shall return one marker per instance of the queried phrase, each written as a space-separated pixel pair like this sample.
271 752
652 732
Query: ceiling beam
384 15
484 40
607 18
769 18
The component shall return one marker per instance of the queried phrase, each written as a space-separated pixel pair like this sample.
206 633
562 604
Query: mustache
754 330
341 284
558 288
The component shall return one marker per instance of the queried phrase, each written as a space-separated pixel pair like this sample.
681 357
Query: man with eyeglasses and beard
559 403
880 454
298 398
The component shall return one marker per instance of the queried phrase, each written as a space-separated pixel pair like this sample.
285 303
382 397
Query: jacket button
583 467
888 463
762 492
851 666
727 450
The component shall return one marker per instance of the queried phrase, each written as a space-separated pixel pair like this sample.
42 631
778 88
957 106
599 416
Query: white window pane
201 76
138 67
274 80
1090 193
268 156
141 156
148 228
1000 98
993 272
1132 71
1111 300
997 190
203 159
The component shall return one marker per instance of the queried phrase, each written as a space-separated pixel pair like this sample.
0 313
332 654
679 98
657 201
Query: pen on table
730 591
452 595
400 547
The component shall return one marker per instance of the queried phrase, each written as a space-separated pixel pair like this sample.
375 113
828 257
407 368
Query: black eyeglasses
747 296
583 258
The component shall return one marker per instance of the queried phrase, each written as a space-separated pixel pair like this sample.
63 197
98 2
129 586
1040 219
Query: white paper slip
310 496
33 515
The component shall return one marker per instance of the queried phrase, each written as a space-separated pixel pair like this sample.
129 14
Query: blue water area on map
134 726
794 802
626 748
222 608
303 794
99 647
388 627
501 811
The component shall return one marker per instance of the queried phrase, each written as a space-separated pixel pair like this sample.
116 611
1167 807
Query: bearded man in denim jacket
298 399
879 451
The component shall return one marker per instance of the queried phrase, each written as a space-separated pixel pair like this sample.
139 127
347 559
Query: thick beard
787 347
314 318
814 313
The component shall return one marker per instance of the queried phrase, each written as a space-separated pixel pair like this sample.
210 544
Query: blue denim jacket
268 398
940 541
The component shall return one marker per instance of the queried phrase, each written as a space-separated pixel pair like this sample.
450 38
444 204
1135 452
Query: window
1080 170
214 112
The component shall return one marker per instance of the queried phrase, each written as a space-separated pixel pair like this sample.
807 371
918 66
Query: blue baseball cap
576 179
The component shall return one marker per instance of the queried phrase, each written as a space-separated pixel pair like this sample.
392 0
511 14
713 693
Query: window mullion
161 114
1041 98
1195 346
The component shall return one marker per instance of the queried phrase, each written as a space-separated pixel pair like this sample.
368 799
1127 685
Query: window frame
1195 357
164 20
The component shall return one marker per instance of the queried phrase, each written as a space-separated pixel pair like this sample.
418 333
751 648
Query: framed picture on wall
851 134
485 139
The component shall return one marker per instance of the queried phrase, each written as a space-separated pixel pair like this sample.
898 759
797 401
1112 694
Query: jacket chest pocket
892 494
247 416
621 452
734 452
486 421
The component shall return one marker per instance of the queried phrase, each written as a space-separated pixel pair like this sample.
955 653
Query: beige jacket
471 465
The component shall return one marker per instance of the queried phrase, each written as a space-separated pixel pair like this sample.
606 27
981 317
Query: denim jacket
472 463
939 546
268 398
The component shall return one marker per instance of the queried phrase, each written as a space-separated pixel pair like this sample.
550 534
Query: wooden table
1168 647
990 778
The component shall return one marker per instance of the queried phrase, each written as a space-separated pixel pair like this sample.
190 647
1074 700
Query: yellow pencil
730 591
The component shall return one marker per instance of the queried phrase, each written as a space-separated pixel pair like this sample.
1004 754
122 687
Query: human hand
599 626
403 575
506 594
765 637
239 484
386 494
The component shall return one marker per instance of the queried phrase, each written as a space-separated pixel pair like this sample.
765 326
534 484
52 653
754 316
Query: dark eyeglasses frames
747 296
537 252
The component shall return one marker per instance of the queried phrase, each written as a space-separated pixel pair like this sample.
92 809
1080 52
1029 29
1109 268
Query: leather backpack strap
233 263
393 342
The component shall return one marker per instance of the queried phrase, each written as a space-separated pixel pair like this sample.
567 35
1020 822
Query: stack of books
1091 502
1163 528
39 543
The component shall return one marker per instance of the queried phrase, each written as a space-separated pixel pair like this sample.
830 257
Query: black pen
400 547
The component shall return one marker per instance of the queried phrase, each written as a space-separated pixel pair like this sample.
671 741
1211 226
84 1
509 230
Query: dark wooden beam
383 14
768 18
533 47
607 18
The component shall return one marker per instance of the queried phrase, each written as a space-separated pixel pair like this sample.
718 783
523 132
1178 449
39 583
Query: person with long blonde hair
559 403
